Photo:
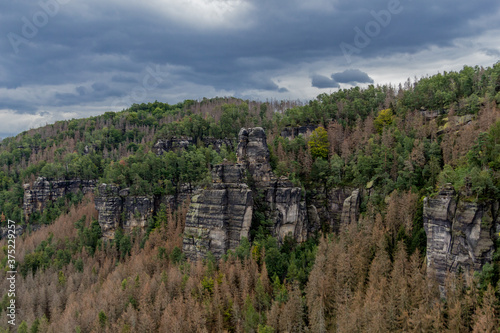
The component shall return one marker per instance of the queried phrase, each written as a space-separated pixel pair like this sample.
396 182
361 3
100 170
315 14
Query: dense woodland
401 142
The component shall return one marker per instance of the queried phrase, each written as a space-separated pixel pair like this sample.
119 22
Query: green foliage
481 172
488 275
35 326
265 329
384 118
59 255
23 327
102 318
251 317
318 143
208 285
176 256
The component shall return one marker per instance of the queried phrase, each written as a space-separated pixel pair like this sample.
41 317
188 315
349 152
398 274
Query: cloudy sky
63 59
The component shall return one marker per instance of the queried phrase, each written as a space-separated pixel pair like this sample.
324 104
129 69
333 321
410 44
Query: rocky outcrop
286 204
19 230
253 154
350 209
42 191
292 132
287 210
165 145
118 209
325 208
109 204
460 233
221 215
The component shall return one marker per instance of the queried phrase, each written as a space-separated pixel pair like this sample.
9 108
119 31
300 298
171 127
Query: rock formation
287 210
350 209
460 233
165 145
325 207
42 191
292 132
118 209
253 154
221 215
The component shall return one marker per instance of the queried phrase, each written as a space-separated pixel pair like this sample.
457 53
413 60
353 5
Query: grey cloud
113 45
491 52
320 81
352 76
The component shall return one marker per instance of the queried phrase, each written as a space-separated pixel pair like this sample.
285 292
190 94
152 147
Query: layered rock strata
165 145
460 233
221 215
325 208
43 191
350 209
118 209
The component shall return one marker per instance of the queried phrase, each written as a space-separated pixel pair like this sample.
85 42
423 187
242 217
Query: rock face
326 206
165 145
42 191
118 209
287 210
292 132
221 215
460 233
350 209
253 154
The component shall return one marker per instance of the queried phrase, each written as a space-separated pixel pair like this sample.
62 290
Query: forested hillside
398 145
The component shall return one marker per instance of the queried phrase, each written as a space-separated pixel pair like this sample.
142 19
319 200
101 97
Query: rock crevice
43 191
221 215
460 233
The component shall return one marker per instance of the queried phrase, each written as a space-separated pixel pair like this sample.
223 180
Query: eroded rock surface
42 191
350 209
165 145
118 209
221 215
326 206
253 154
292 132
460 233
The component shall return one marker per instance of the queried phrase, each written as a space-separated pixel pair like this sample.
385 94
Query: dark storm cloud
105 48
352 76
320 81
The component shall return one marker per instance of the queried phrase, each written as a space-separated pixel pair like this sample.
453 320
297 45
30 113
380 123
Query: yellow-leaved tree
318 143
383 119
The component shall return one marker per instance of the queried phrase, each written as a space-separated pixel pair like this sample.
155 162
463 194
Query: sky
64 59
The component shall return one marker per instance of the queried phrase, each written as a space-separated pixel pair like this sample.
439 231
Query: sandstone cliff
42 191
460 233
117 208
292 132
221 215
327 206
165 145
